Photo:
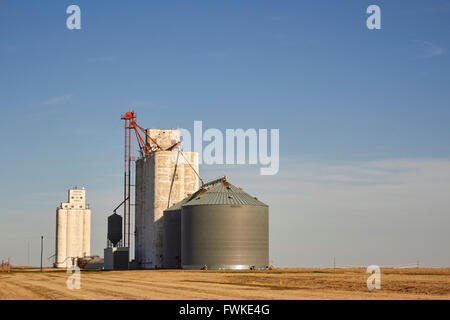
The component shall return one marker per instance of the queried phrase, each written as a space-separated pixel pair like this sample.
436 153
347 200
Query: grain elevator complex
177 222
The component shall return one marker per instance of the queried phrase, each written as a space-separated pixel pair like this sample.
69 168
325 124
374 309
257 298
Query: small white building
73 229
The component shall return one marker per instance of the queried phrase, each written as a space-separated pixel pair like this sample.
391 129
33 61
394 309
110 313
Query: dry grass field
23 283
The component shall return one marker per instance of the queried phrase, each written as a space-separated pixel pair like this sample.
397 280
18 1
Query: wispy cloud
110 58
283 17
436 7
57 100
219 53
390 211
428 49
146 104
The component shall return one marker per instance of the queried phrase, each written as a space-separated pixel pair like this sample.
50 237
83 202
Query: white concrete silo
73 229
163 178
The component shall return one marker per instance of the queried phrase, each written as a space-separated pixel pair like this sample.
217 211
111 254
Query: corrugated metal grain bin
224 228
172 236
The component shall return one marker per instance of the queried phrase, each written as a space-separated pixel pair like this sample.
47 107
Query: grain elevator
163 178
73 229
175 222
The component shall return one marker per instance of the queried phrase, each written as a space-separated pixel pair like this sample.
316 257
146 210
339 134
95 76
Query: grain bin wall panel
172 239
225 236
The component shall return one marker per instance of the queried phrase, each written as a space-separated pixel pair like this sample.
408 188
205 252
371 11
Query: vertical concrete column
71 236
164 169
61 237
86 232
138 243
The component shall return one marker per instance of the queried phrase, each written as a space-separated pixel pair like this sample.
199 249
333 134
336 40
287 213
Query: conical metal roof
223 193
179 204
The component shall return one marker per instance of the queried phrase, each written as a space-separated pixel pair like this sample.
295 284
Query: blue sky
341 95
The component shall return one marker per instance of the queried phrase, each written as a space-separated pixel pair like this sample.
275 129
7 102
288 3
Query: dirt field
24 283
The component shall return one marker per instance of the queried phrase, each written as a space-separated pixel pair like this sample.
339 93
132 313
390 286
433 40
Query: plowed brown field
23 283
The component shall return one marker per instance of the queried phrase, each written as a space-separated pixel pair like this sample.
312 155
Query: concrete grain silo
163 178
224 228
73 229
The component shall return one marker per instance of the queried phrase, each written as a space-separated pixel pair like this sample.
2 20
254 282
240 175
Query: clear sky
363 115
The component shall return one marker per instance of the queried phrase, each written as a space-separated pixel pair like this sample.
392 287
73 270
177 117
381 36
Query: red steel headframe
128 117
130 124
144 148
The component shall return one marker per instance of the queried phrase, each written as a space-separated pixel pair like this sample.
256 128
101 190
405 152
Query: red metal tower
144 149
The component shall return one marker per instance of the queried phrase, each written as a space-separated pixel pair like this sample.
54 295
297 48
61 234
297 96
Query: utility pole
28 264
42 244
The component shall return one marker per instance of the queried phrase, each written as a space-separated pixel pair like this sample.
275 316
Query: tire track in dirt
159 290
